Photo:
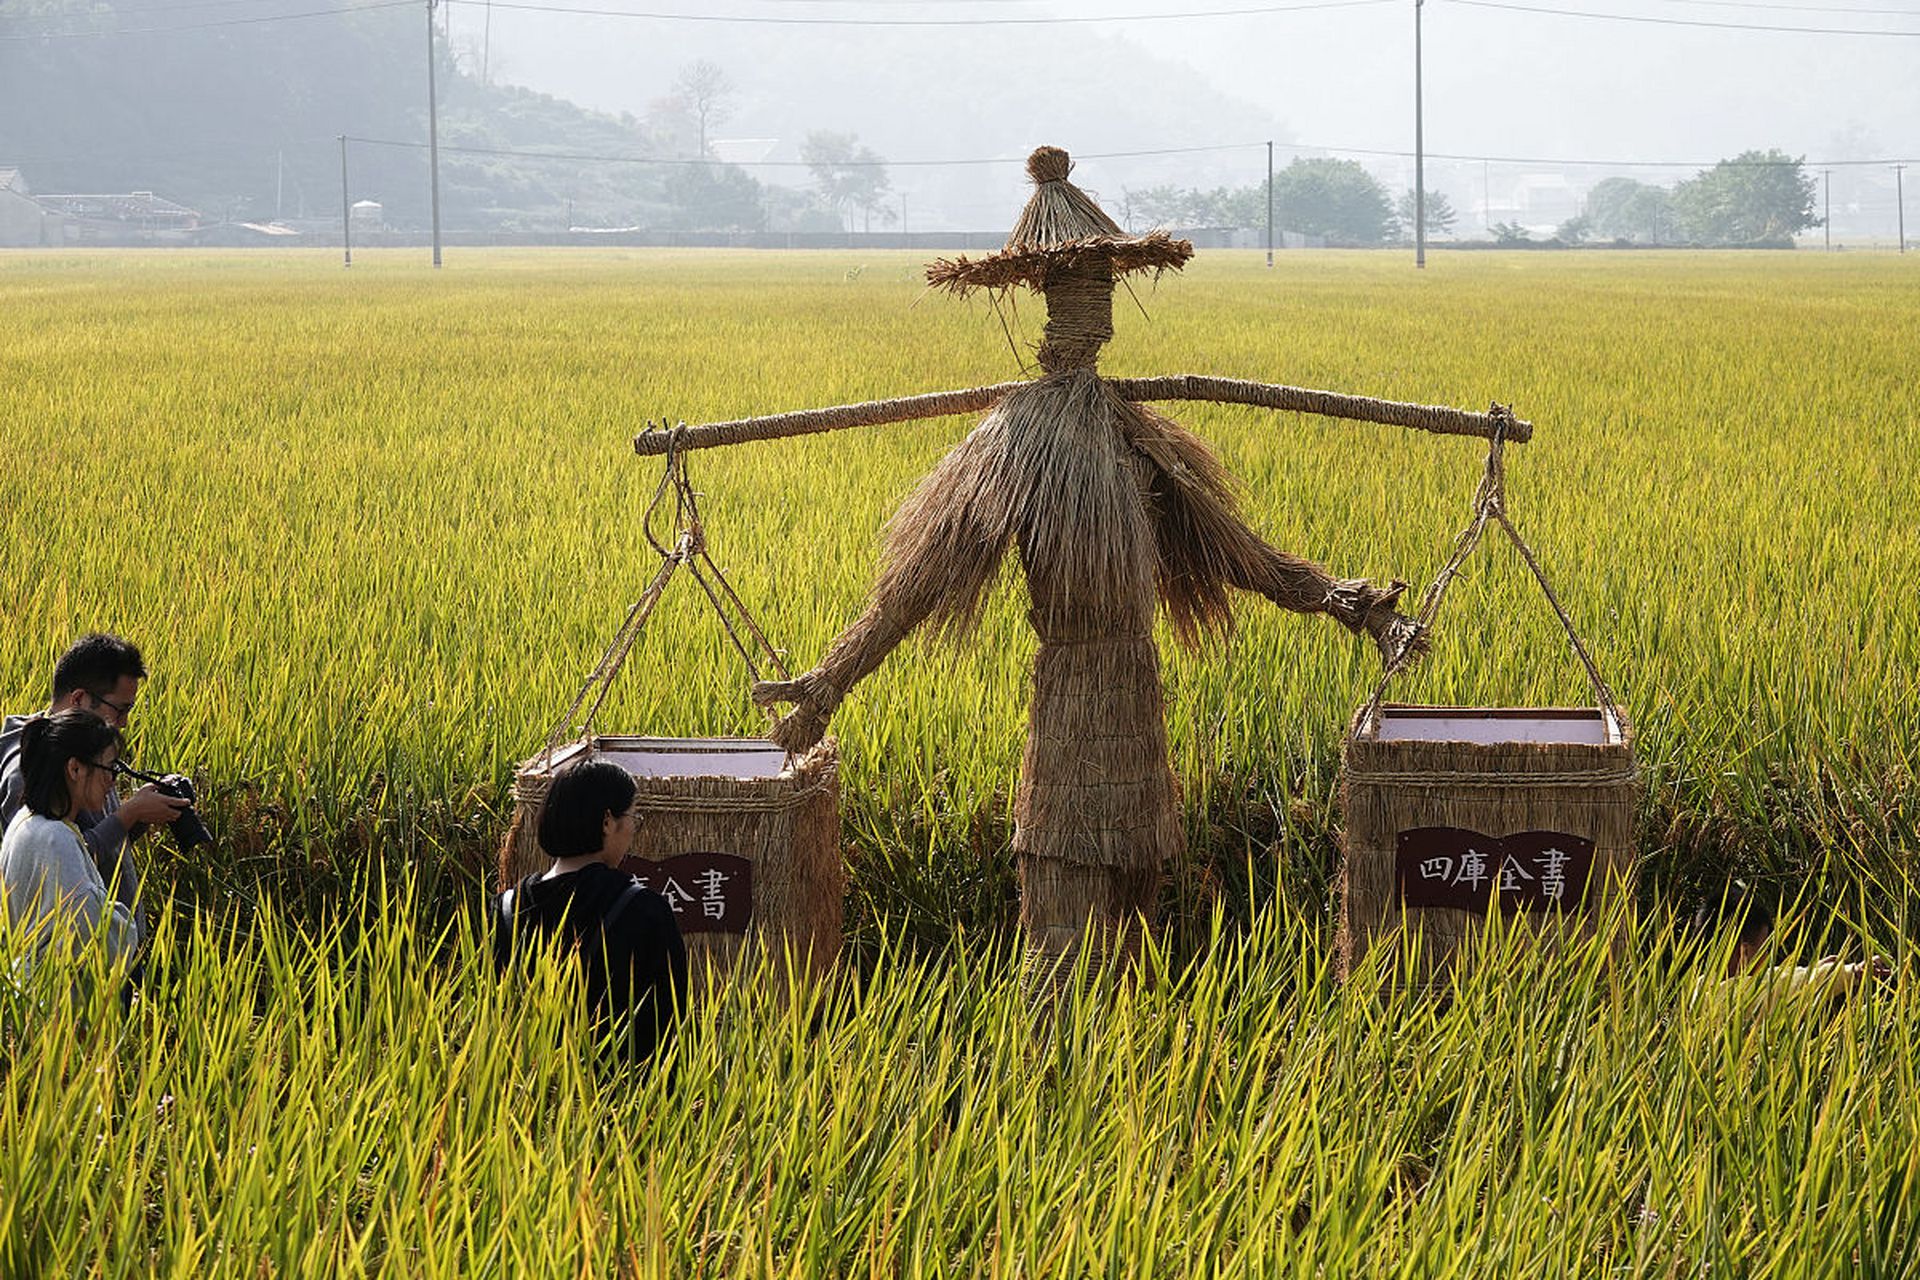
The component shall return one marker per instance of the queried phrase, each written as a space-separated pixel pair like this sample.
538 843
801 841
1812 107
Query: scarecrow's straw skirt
1095 784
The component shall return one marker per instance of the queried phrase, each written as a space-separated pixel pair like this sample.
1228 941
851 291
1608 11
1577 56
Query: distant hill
202 103
241 120
917 94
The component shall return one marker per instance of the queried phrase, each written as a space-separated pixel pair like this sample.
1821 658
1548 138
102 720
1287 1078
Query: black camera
188 829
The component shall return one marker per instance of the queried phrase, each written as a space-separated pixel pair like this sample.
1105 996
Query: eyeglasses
122 711
111 770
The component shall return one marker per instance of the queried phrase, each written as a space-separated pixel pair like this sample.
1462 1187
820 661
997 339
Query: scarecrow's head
1068 250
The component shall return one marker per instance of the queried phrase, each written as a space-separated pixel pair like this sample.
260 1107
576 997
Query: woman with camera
632 959
47 876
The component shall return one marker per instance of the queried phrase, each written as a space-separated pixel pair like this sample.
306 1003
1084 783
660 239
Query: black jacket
632 958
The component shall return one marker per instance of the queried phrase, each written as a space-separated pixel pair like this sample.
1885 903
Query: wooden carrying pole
1421 417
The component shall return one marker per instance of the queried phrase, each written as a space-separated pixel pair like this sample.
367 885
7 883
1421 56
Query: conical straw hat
1060 227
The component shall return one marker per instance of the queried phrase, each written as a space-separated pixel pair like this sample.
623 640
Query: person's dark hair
46 744
582 795
96 663
1739 909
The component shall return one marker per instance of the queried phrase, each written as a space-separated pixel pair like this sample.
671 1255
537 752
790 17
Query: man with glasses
101 674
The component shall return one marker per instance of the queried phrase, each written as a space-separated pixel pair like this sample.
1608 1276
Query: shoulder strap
509 901
628 896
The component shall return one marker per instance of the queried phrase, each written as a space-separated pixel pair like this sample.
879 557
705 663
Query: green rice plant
373 525
296 1099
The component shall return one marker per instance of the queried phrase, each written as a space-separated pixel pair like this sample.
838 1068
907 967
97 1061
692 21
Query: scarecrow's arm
806 422
1360 606
1437 418
1328 404
1207 550
943 550
853 656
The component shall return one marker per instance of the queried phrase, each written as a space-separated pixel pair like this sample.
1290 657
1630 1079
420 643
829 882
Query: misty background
234 107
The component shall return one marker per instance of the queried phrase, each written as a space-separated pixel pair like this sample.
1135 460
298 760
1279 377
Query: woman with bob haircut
631 955
48 878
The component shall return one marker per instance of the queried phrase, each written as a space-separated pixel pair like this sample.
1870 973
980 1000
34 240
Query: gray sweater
106 837
51 886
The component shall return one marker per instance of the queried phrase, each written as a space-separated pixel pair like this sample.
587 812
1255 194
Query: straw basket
742 840
1453 813
1456 812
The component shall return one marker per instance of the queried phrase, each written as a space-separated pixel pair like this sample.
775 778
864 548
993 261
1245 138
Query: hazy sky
1498 82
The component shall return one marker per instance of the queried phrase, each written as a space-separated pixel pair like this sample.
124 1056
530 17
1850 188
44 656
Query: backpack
509 906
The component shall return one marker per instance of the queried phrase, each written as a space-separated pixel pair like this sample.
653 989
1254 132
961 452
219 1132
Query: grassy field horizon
372 527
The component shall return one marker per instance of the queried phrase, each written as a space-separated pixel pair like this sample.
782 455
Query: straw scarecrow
1111 508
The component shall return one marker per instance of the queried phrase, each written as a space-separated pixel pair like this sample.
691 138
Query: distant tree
789 209
1757 196
1333 198
714 197
1163 206
707 91
682 122
1510 233
848 175
1622 209
1574 230
1440 214
1237 206
1171 206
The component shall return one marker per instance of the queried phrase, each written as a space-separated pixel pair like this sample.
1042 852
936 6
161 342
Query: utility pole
433 135
1269 202
346 209
1900 201
1826 223
486 46
1419 152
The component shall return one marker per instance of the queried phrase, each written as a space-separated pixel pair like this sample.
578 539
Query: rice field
374 526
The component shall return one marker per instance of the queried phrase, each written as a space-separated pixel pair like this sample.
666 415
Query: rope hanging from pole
1490 504
688 550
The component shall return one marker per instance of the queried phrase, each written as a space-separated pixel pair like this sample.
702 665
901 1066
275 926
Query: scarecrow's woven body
1111 509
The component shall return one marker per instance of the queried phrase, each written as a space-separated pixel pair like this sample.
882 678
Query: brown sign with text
709 892
1468 870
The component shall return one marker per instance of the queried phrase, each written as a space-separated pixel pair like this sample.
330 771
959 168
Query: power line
791 164
1564 160
141 10
774 20
206 26
581 157
1678 22
1802 8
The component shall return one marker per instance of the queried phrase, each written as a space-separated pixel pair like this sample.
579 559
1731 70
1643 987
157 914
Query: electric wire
103 32
1681 22
587 158
1038 21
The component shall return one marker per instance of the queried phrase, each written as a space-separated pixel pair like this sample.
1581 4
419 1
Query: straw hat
1061 228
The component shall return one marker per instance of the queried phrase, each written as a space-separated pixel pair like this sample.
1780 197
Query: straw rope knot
1361 607
1049 164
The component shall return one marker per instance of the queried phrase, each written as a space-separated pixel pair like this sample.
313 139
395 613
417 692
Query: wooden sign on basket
1470 870
709 892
